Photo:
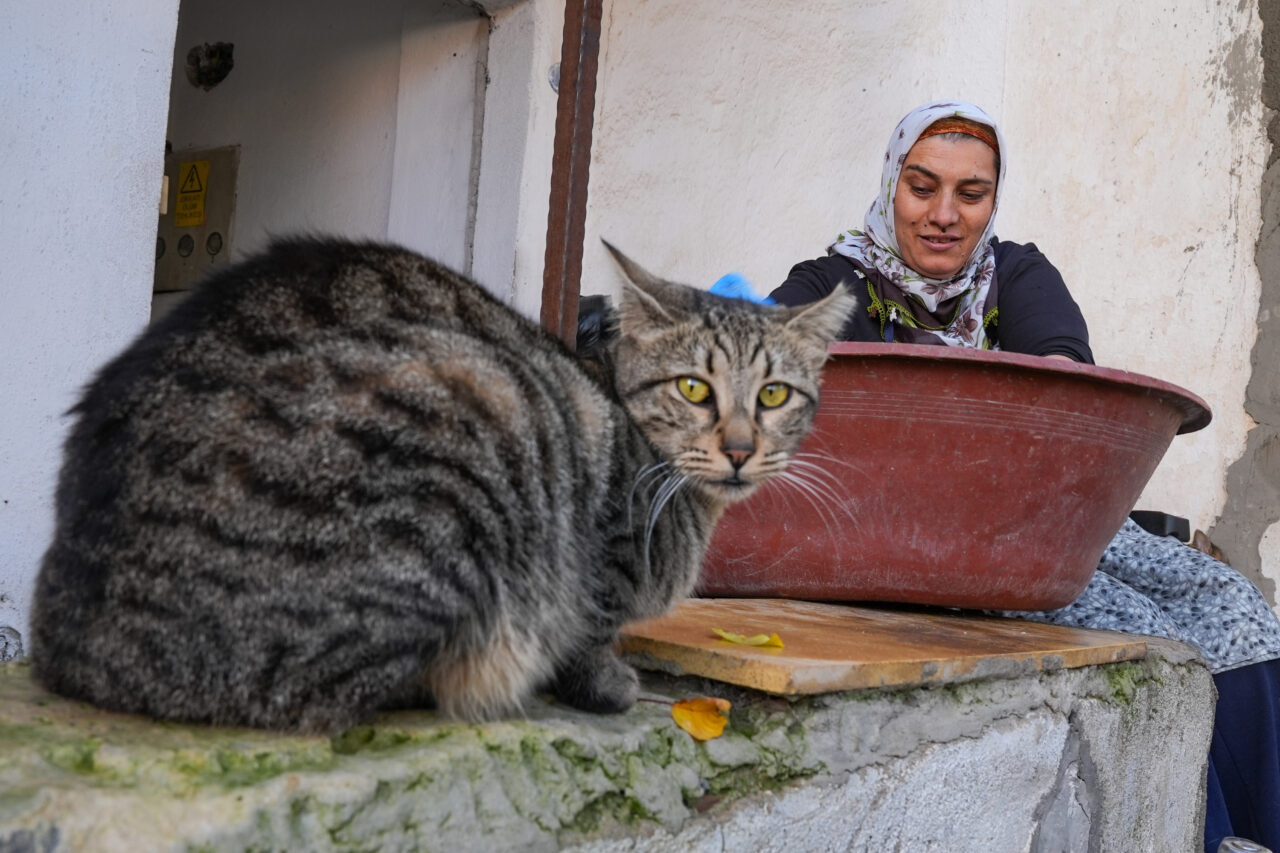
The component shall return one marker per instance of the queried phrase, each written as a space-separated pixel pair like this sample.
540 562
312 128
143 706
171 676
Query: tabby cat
340 475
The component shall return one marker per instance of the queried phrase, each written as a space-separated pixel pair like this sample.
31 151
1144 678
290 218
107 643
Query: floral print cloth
1155 585
875 248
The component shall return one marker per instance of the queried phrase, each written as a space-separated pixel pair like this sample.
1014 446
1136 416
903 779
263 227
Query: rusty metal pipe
570 168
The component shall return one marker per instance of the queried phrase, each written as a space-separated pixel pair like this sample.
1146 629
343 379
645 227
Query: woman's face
946 193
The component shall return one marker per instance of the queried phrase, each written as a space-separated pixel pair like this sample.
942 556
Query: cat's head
725 389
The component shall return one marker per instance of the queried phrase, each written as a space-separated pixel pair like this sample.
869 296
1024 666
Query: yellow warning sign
193 183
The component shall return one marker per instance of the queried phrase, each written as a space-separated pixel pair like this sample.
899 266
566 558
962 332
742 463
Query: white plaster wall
744 135
517 143
311 101
440 100
83 88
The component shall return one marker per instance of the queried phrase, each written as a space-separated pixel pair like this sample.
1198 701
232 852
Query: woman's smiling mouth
939 242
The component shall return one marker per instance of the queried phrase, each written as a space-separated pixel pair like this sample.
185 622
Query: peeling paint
1237 74
1269 554
1252 508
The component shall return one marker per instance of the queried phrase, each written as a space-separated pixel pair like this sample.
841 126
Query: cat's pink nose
738 454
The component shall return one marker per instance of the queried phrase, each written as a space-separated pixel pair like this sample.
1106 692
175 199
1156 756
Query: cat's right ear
640 309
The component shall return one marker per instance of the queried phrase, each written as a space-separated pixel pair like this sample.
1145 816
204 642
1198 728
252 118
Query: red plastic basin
953 477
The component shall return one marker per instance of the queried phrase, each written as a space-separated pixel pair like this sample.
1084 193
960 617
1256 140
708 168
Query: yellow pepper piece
704 718
769 640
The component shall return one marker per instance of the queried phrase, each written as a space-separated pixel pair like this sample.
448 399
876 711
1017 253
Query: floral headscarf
954 311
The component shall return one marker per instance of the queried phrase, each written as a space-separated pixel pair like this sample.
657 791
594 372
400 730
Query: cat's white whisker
664 494
818 494
645 474
820 474
807 492
810 458
816 472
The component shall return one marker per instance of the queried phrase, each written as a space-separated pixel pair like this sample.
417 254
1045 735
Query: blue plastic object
735 286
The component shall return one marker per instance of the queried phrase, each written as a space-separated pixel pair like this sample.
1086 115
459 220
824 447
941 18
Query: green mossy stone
411 778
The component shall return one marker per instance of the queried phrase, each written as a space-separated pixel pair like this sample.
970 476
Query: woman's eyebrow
922 170
913 167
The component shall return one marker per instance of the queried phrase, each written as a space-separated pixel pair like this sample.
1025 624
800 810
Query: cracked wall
1248 530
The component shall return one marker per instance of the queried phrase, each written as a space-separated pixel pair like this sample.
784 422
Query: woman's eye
921 191
774 395
974 197
693 390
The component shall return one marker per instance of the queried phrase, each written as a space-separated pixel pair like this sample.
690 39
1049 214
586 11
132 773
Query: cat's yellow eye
774 395
693 390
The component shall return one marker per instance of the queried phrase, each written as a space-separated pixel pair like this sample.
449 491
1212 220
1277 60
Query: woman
928 269
924 266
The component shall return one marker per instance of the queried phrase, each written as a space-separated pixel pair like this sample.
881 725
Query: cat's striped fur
340 473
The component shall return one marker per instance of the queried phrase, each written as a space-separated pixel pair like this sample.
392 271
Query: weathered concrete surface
1107 757
1249 528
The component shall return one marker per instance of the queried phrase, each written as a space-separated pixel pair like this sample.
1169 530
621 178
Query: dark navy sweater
1037 314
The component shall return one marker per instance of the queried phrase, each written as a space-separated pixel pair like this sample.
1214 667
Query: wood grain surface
831 647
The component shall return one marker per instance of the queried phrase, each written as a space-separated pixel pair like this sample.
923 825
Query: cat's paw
598 682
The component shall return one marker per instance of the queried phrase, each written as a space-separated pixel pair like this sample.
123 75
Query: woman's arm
809 281
1037 314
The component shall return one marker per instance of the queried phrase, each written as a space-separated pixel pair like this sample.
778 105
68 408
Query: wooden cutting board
830 647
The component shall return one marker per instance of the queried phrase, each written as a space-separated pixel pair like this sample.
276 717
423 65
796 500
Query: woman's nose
943 211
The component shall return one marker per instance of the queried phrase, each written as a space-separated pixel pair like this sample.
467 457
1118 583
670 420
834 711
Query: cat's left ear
643 295
818 323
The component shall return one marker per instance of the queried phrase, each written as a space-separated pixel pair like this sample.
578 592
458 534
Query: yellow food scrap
704 718
770 640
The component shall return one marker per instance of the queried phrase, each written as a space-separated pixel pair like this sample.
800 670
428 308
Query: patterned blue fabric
1155 585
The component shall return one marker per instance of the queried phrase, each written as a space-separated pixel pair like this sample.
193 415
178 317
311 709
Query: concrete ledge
1104 757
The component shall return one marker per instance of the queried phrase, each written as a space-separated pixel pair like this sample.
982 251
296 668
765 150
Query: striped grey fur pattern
340 476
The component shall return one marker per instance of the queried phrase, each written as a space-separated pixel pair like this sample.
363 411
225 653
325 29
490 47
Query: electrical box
196 220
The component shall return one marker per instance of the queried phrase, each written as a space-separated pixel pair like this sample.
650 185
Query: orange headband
956 124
